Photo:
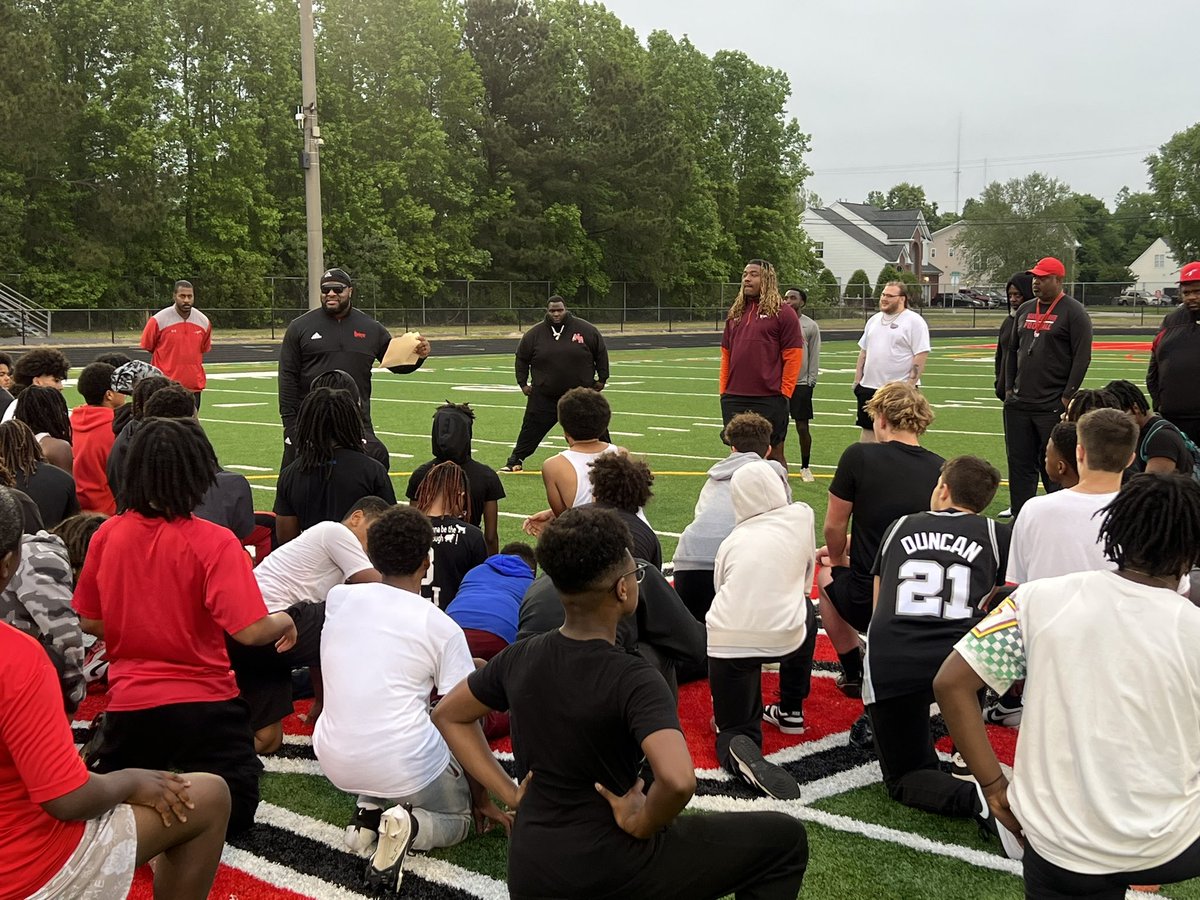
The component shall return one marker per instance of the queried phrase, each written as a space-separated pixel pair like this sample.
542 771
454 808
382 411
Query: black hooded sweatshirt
1023 282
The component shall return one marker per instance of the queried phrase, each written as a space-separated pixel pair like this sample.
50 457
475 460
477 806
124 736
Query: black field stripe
805 770
295 751
310 857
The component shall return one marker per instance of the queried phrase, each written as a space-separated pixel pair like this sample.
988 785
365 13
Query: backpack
1187 442
451 434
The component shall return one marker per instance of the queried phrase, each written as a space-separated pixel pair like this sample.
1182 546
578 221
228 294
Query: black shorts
853 596
801 402
862 395
264 676
773 409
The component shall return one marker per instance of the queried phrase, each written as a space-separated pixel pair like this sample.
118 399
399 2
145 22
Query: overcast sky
1029 79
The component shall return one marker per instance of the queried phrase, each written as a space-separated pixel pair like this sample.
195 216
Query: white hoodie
764 570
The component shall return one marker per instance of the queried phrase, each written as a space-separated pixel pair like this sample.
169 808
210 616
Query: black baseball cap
337 276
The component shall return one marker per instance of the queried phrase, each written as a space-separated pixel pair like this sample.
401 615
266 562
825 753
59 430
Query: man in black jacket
1018 290
1045 365
563 352
335 336
1174 369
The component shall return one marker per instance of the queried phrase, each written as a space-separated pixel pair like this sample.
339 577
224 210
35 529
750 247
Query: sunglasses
333 289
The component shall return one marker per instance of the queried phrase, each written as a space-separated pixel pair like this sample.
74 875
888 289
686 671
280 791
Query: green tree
1137 223
1015 223
906 196
886 274
1099 256
859 286
915 289
1175 183
824 289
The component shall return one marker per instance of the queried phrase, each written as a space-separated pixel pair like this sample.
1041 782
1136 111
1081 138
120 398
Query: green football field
665 409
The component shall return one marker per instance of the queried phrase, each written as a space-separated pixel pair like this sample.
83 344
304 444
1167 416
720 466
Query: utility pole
958 164
306 118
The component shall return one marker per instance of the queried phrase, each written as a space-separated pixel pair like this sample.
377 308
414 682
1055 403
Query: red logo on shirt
577 338
359 334
1043 322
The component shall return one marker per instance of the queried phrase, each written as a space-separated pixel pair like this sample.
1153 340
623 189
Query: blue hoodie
489 598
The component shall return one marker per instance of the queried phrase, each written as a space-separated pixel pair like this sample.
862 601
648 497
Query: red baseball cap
1189 273
1049 266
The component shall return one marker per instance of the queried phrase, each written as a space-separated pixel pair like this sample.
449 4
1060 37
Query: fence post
624 302
272 320
23 325
660 305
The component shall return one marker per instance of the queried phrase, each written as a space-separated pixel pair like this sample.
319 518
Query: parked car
961 301
1135 297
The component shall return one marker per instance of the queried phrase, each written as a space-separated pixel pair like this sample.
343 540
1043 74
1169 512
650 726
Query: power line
986 162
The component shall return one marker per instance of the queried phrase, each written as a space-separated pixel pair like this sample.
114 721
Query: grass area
665 408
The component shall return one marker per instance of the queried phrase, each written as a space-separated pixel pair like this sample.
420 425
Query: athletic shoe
95 665
1004 513
786 722
989 824
397 831
959 769
772 780
806 475
851 687
515 467
362 833
861 735
1000 714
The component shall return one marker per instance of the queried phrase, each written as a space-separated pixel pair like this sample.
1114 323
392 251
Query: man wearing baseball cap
334 336
1045 365
1174 371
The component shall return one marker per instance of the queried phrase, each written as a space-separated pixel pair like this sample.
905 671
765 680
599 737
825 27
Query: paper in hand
402 350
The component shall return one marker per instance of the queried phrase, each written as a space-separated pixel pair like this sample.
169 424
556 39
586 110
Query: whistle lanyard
1040 320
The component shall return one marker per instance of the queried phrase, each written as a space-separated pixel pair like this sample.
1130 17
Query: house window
932 252
819 249
951 251
1160 260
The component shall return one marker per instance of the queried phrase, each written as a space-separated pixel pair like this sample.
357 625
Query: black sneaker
861 735
786 722
1000 713
1012 847
397 831
772 780
511 467
959 768
851 687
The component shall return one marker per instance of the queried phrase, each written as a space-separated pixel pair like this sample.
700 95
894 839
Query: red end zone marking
1139 346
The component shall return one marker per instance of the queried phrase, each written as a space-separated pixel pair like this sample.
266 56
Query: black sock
852 664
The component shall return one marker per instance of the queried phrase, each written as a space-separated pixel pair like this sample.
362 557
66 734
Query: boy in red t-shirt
162 588
64 830
92 437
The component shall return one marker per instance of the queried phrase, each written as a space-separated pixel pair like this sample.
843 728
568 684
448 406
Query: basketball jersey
936 570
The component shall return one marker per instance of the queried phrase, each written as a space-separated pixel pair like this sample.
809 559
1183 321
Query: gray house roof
897 224
889 252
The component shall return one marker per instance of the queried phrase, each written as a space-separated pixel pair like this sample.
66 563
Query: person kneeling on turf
384 650
587 714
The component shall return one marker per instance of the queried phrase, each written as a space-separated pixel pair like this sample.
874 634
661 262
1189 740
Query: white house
850 236
1156 268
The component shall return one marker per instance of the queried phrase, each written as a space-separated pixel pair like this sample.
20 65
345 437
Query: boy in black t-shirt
585 714
458 546
934 574
1161 447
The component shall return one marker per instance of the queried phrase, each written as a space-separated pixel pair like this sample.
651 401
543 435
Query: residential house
850 236
1156 268
954 262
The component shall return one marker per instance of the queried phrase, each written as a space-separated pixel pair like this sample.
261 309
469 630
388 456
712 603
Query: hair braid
328 420
170 467
19 449
1153 525
44 409
445 484
769 300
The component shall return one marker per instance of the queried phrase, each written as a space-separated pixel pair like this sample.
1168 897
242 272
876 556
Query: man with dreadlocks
332 469
163 588
761 354
893 347
458 546
1109 659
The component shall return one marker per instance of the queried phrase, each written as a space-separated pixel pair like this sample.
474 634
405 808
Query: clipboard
402 350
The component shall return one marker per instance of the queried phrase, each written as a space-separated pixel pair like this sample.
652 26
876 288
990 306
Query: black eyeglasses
638 572
333 289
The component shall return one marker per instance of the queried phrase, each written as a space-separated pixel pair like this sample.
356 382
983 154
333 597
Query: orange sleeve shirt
761 355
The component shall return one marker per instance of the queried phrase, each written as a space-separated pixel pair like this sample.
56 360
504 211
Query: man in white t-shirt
1104 783
1057 534
295 578
893 347
384 650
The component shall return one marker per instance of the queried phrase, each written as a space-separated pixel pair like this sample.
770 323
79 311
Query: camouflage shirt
38 602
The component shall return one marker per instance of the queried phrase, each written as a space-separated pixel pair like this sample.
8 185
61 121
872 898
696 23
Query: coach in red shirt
177 338
761 354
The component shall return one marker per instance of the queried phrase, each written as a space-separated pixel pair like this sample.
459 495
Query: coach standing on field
177 338
1174 375
334 336
1047 361
762 351
563 352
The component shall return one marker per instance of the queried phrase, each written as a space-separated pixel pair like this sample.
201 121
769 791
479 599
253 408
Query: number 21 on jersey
923 587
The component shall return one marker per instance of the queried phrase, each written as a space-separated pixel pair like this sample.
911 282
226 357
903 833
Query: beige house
953 261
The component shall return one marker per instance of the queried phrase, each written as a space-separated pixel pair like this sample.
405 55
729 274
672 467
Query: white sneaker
1004 513
806 475
1008 840
362 833
397 831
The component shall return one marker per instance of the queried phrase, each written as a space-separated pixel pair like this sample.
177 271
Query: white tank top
580 462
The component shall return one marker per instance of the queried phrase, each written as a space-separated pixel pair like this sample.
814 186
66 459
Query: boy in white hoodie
761 613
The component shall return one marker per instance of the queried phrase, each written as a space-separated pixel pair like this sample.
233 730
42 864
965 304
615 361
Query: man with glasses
1175 359
335 336
894 347
1046 362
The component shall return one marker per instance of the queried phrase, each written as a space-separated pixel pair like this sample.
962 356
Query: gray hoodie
714 517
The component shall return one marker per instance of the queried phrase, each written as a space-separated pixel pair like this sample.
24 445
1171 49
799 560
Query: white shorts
102 865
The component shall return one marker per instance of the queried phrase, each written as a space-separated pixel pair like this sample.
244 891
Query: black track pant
541 414
1026 433
1046 881
911 774
736 686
